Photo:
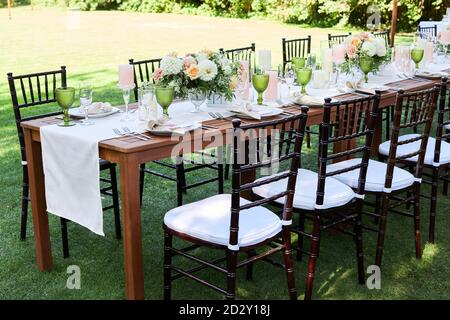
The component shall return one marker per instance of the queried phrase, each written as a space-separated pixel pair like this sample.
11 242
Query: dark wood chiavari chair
242 54
297 48
143 72
386 181
37 90
233 224
437 154
320 197
337 39
426 32
385 35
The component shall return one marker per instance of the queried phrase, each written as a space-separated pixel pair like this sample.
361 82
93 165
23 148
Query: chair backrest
295 48
385 35
337 39
143 72
443 119
413 110
283 132
425 32
241 54
350 123
35 90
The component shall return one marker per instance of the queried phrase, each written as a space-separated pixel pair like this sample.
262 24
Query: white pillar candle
265 59
319 79
327 60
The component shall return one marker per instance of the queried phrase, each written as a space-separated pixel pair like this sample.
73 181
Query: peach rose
158 74
351 52
355 42
193 71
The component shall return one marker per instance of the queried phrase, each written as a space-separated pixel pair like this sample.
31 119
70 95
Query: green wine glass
303 77
65 98
417 55
164 96
298 62
260 83
365 64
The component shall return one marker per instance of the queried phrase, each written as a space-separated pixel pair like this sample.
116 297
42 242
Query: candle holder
126 99
260 83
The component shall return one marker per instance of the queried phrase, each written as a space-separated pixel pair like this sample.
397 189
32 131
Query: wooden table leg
38 202
131 213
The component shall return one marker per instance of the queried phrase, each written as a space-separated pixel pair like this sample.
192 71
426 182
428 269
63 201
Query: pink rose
351 52
364 36
188 61
158 74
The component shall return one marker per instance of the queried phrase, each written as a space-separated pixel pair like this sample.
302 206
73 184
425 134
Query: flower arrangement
364 46
206 71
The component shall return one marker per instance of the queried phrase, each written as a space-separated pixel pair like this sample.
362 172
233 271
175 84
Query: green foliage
321 13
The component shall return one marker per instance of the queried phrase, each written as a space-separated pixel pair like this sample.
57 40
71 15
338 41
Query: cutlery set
130 133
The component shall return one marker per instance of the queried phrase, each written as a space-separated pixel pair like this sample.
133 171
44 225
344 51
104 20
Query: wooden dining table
129 152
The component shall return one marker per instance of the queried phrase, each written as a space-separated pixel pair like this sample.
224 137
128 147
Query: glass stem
66 117
303 89
366 78
260 98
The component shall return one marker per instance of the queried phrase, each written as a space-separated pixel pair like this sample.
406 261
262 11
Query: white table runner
71 168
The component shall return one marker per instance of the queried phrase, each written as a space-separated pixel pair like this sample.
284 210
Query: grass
91 46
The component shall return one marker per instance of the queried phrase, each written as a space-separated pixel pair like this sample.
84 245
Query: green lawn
91 46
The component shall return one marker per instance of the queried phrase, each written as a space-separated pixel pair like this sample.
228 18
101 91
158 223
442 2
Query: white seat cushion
414 146
209 220
336 193
376 175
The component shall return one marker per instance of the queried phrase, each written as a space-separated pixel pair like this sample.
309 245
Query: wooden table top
161 144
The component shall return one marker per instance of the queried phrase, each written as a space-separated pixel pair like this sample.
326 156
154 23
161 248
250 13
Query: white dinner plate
75 112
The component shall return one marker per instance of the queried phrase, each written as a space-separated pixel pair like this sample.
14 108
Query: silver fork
137 134
120 133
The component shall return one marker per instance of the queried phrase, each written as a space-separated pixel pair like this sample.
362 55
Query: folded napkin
97 107
309 100
245 110
175 126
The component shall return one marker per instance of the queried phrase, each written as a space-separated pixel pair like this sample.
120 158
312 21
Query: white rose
381 47
201 56
208 70
171 65
369 48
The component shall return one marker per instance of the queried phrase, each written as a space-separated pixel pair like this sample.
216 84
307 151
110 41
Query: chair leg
287 255
388 120
167 265
315 245
381 228
180 175
308 137
377 207
141 182
183 176
249 268
300 238
359 246
408 193
24 213
65 238
115 198
220 177
417 220
433 204
231 274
